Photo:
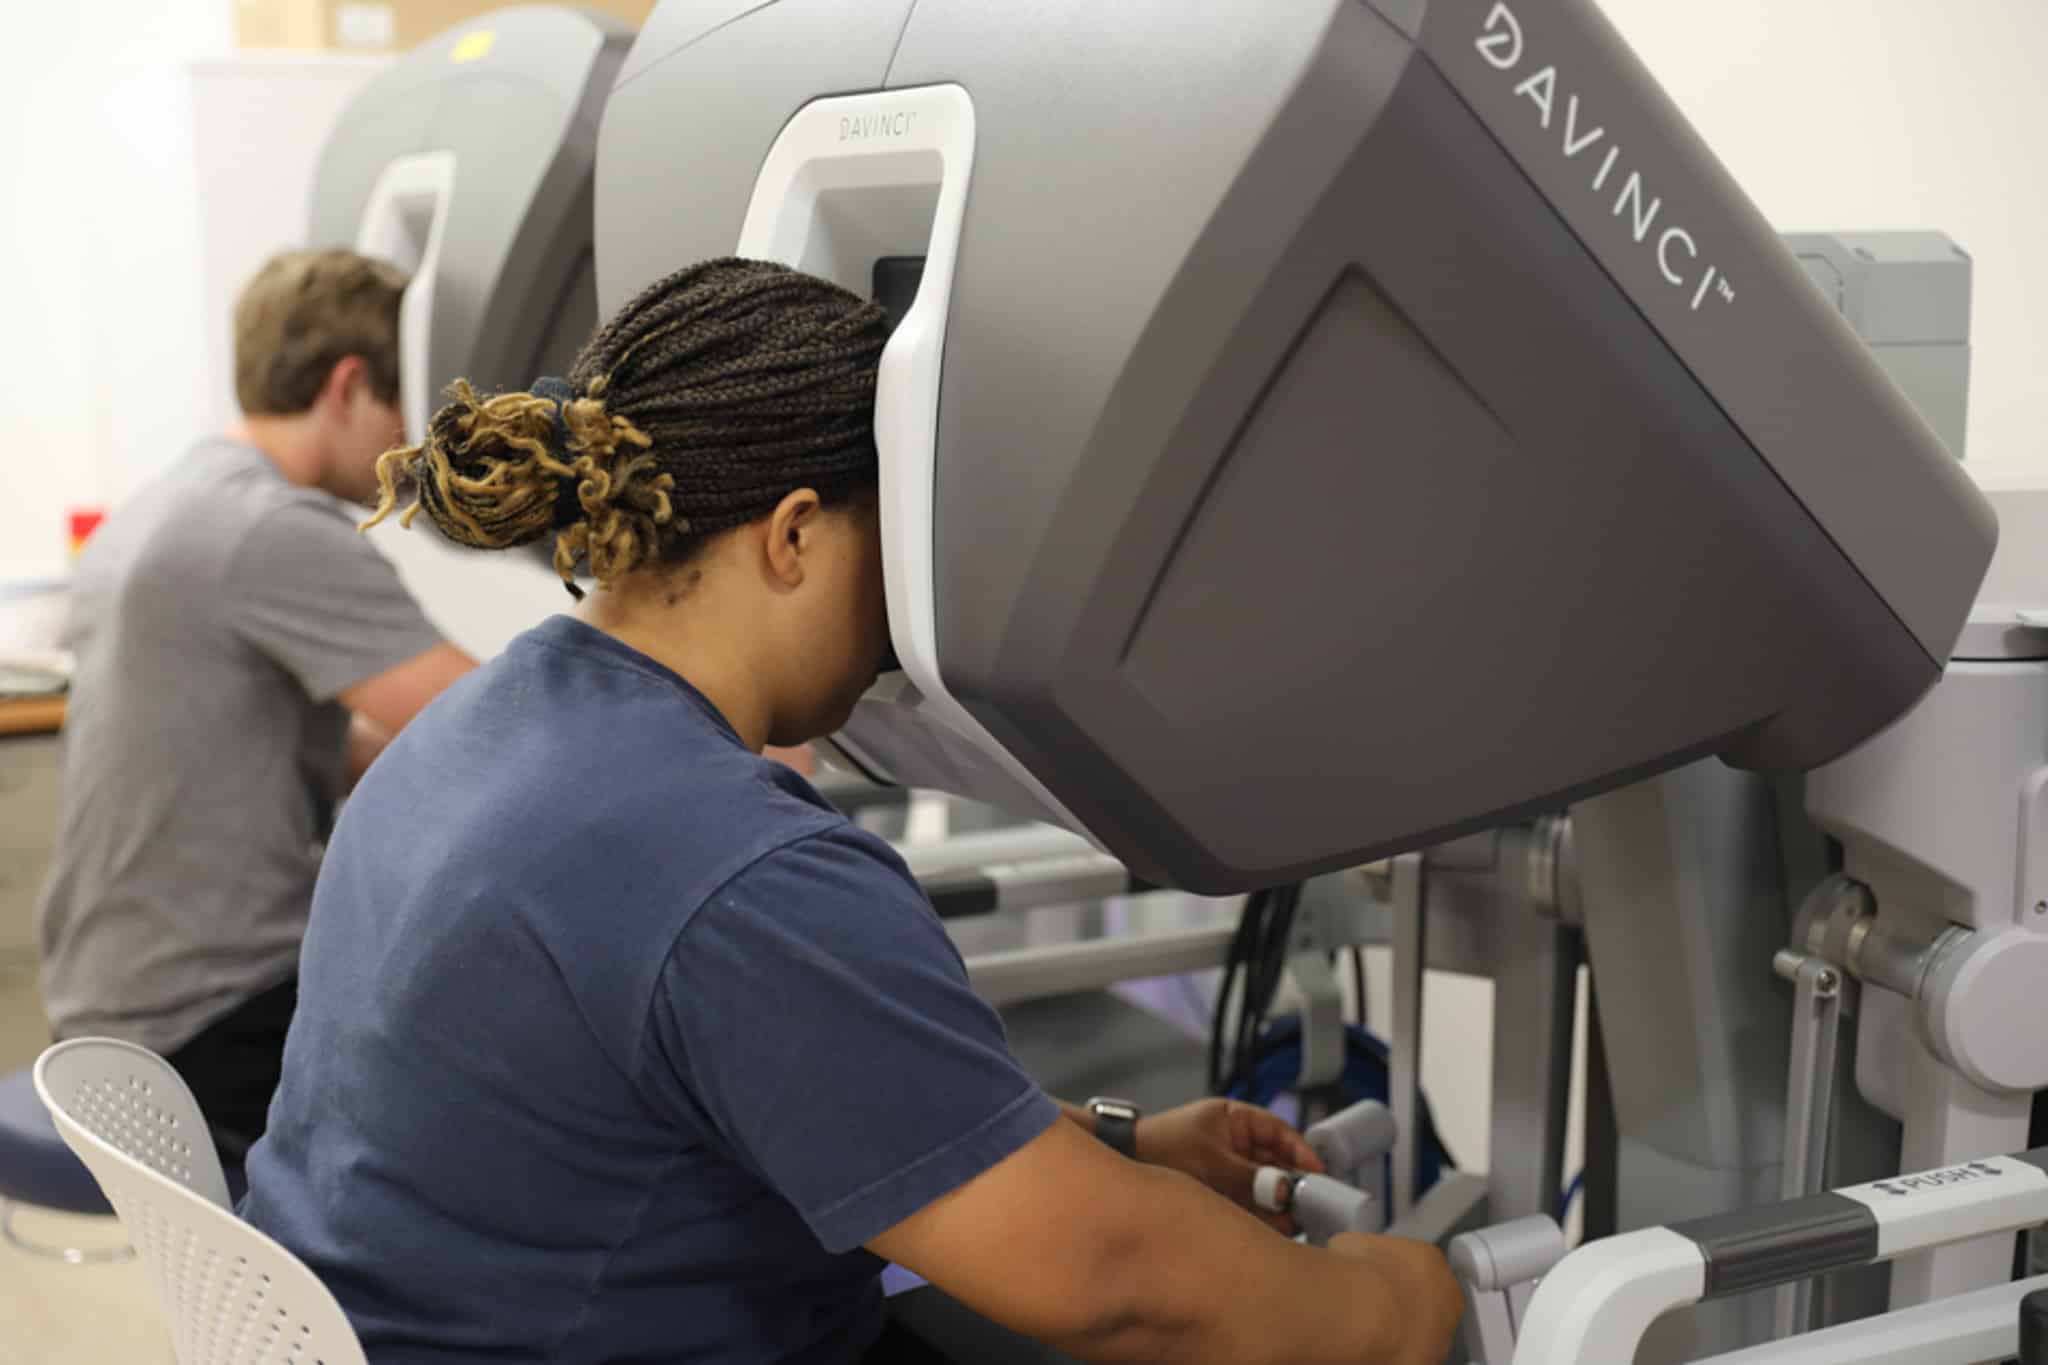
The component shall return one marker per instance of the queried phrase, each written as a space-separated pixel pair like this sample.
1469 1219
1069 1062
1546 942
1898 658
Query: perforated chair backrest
232 1295
131 1099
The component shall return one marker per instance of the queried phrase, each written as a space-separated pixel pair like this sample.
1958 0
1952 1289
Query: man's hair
301 315
712 396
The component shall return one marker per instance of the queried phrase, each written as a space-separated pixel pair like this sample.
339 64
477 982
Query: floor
57 1314
52 1313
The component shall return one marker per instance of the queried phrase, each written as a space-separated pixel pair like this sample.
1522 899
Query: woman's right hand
1422 1283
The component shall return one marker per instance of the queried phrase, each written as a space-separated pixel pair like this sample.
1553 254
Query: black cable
1253 999
1254 964
1219 1080
1358 1045
1252 1007
1234 960
1253 969
1281 948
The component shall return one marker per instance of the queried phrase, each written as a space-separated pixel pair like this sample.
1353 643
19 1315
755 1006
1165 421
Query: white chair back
232 1295
131 1099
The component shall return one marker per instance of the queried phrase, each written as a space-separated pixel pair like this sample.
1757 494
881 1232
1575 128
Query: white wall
147 172
102 306
1854 114
258 122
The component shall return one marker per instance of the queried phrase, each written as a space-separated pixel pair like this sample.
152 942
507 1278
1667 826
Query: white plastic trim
1954 1204
231 1295
1595 1306
412 192
1964 1330
130 1099
917 142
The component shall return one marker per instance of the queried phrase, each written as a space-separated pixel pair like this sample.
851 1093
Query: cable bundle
1251 971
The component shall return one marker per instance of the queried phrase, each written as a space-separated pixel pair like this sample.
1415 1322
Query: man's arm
389 700
1110 1260
306 591
366 740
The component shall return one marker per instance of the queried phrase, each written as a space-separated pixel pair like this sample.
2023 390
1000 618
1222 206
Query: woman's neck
686 633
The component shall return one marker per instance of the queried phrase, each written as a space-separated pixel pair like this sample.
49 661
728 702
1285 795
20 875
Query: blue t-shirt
615 1041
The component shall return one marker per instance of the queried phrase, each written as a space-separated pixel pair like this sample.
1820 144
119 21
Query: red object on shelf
84 521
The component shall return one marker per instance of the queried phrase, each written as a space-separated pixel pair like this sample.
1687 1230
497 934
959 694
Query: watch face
1116 1123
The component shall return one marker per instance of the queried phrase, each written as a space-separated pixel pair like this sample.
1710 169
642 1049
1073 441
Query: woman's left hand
1222 1143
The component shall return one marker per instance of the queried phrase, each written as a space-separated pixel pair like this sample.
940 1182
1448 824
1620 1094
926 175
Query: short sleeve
816 1015
309 592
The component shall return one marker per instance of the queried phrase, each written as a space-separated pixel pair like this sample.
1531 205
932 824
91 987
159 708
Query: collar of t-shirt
573 636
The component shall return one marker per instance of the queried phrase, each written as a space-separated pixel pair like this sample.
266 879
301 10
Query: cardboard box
316 25
378 25
418 20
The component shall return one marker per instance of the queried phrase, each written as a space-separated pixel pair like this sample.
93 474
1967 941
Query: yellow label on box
471 46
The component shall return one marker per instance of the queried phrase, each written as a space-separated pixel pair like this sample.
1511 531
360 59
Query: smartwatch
1116 1123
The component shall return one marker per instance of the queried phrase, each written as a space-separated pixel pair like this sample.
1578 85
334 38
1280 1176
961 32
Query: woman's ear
792 528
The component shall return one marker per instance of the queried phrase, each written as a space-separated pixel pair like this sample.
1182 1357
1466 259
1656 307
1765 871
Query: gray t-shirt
215 617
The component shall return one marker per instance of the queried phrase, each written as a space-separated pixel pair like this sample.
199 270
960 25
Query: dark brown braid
713 395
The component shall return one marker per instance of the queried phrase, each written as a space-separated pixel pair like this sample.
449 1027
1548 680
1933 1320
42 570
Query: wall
102 300
1850 114
258 121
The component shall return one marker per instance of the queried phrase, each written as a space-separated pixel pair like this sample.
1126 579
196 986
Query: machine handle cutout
405 222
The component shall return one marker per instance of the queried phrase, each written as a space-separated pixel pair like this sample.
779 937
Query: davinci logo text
1677 249
875 127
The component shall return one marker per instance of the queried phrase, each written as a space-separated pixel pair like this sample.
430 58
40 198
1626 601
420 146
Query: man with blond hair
242 654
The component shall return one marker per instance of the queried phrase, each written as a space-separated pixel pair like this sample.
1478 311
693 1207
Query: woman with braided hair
615 1042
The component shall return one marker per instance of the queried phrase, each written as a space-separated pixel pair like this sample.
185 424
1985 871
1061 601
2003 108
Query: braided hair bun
713 395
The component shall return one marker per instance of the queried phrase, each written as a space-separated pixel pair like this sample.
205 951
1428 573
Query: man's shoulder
222 493
282 532
171 540
218 529
264 495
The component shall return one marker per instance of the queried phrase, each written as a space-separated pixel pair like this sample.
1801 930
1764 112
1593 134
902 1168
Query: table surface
31 715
